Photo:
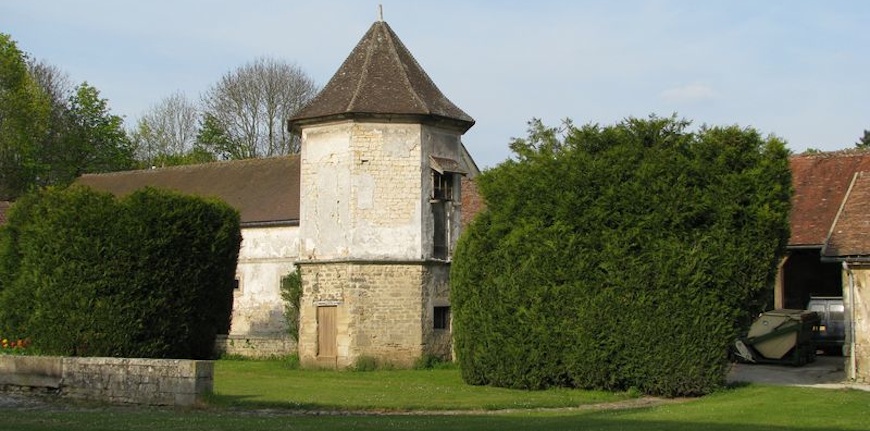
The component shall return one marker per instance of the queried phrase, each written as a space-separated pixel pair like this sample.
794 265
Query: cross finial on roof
381 13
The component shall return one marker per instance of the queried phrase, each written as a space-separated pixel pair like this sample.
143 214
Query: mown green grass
238 405
272 384
759 408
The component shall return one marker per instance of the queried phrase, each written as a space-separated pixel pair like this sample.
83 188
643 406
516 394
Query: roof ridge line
365 73
842 207
405 78
195 165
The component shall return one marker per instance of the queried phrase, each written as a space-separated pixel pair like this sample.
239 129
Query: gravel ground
825 372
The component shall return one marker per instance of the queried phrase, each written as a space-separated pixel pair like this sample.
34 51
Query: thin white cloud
694 92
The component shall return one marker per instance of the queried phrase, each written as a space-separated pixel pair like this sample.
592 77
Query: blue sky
797 69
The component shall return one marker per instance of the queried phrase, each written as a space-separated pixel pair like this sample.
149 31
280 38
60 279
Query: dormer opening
442 186
442 199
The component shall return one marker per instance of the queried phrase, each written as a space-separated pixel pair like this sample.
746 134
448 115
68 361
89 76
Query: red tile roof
850 233
820 184
262 190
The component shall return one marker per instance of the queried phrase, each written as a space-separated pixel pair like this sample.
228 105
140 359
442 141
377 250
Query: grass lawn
272 384
238 405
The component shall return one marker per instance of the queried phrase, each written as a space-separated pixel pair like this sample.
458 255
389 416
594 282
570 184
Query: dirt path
634 403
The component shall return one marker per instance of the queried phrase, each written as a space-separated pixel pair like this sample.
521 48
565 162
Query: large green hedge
150 275
620 257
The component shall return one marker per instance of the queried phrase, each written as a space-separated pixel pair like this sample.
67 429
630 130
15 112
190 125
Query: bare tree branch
169 129
252 103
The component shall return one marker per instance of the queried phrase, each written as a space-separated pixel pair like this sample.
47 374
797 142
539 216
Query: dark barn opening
805 275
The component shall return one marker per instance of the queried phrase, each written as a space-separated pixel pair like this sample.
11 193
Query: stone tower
379 211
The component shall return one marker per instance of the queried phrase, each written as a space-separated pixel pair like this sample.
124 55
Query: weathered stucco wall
383 310
442 143
118 380
265 258
360 191
861 320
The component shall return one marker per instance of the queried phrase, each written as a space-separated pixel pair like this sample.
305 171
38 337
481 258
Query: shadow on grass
247 402
170 420
596 421
236 411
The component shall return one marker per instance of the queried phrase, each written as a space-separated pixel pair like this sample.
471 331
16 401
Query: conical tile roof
380 79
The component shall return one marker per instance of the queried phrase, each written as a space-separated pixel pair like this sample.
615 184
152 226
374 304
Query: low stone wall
177 382
255 346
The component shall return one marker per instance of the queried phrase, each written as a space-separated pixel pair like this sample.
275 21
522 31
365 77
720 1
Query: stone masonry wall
861 323
176 382
386 181
379 310
436 293
256 346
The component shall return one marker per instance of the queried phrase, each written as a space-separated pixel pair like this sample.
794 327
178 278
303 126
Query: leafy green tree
50 134
195 156
864 142
24 112
617 257
291 295
96 141
51 156
213 137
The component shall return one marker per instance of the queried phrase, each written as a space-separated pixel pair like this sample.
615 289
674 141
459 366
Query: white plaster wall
265 257
325 191
361 191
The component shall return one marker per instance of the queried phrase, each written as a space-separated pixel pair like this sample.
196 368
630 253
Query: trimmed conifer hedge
150 275
619 257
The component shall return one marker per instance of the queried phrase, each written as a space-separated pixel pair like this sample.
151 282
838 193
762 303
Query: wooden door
326 332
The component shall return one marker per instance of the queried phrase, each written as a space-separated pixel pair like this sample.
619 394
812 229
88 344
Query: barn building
829 248
369 213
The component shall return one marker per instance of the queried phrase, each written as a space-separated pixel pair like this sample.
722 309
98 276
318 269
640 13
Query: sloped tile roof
820 184
850 233
262 190
381 79
4 206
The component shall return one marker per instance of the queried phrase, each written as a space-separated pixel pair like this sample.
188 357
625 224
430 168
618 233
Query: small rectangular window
442 186
236 284
442 318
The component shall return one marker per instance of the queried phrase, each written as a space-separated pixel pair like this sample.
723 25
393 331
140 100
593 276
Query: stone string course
177 382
